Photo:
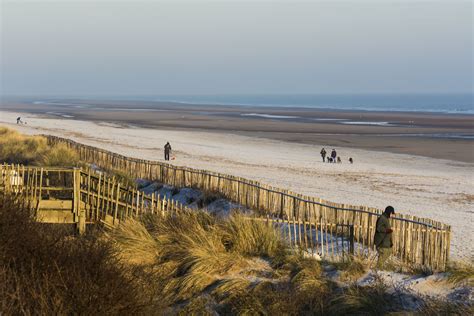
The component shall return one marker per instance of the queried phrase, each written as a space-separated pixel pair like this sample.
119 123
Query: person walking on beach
333 155
167 151
18 120
323 154
383 237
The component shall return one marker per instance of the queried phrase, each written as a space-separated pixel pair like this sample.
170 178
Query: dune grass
187 263
352 268
241 266
46 270
445 307
22 149
461 272
193 248
233 266
368 300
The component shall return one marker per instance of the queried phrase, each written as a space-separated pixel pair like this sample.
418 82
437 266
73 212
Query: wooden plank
77 209
55 217
56 205
116 203
98 197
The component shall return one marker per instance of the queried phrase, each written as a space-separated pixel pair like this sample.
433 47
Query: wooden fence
75 196
416 240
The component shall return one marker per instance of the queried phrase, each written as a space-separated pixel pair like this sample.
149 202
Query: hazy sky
204 47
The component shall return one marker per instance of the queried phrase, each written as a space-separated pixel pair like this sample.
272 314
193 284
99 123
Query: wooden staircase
72 196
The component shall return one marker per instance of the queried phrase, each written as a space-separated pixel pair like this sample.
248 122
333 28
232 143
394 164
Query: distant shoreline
436 135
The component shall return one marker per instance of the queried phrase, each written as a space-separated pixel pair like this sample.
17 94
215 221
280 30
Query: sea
453 103
460 103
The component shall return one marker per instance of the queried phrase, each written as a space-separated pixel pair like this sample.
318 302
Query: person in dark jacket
323 154
333 155
383 236
167 151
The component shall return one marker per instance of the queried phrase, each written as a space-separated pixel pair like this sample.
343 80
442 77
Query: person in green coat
383 237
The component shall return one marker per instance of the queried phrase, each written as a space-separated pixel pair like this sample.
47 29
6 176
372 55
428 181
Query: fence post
281 205
77 209
351 239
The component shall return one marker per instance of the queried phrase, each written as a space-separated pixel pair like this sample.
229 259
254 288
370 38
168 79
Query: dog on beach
339 159
351 160
329 159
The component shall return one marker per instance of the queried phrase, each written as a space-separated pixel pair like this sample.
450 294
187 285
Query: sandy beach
436 188
434 135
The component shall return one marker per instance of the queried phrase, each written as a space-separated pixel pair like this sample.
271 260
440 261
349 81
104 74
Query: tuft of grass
190 247
445 307
357 300
22 149
135 243
251 237
60 155
203 305
352 269
19 149
306 273
309 285
227 289
460 272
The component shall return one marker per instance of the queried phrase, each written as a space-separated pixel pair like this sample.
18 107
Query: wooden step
55 205
55 216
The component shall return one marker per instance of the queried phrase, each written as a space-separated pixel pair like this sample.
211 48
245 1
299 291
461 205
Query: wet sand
422 134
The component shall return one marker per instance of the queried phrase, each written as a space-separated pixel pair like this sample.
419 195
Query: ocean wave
329 119
271 116
368 123
431 135
60 114
130 109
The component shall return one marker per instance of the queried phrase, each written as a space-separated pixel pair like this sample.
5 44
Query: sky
235 47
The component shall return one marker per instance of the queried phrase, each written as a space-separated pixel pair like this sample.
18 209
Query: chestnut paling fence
76 196
416 240
80 197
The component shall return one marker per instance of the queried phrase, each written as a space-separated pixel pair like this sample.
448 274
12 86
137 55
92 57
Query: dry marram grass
33 150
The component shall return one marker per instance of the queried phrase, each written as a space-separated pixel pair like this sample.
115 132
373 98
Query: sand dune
439 189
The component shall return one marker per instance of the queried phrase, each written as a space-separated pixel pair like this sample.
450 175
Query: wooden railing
75 196
417 240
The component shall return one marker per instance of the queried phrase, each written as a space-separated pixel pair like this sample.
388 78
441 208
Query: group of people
333 158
